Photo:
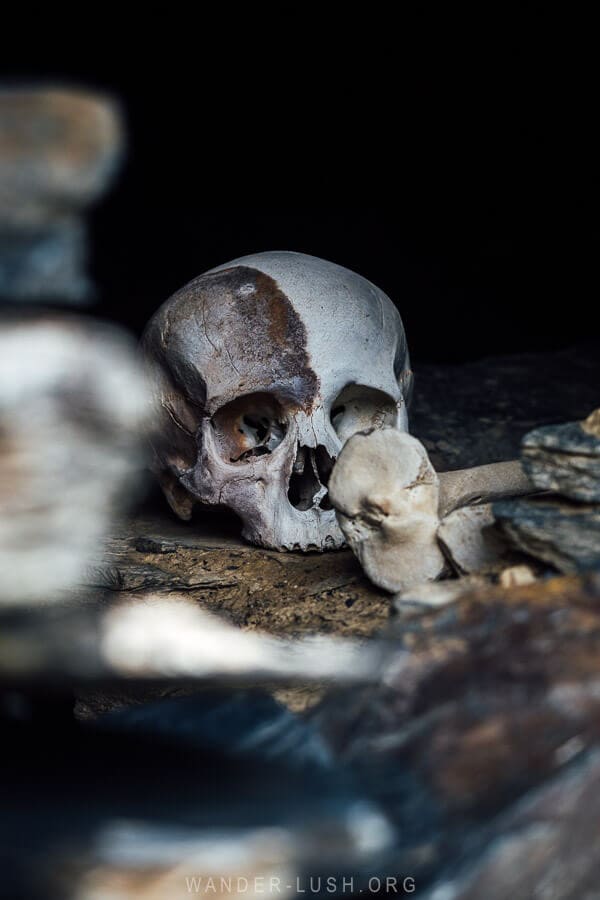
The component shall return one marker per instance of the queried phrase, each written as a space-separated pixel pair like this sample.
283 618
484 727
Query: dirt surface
283 593
257 589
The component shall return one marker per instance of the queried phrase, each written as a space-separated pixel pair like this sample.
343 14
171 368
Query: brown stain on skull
277 328
222 337
239 323
285 326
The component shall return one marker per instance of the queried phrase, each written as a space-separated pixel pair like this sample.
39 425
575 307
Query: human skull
263 368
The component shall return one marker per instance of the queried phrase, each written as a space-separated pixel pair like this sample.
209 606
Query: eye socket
358 408
249 427
257 426
336 415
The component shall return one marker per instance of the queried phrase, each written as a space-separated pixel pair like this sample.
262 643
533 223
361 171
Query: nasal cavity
310 477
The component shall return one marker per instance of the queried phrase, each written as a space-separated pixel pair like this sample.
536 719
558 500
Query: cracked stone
559 532
565 459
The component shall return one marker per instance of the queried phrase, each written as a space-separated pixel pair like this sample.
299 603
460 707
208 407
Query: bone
390 503
482 484
433 594
158 639
386 494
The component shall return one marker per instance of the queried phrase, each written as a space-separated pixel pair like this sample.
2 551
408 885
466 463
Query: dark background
449 170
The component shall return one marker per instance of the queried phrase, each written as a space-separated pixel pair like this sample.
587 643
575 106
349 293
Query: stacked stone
561 528
72 399
59 150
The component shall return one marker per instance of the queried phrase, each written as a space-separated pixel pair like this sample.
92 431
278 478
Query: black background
444 160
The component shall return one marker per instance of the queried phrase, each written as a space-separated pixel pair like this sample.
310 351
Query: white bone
386 493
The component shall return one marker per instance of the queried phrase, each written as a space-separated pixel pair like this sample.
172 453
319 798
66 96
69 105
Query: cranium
262 369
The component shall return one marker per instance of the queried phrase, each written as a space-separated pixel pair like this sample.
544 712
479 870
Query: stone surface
547 845
565 459
144 806
482 741
565 535
477 413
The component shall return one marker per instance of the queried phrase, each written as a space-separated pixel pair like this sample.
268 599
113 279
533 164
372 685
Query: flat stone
546 848
565 459
482 741
565 535
205 788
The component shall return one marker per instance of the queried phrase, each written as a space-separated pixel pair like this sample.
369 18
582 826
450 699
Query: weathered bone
482 484
390 502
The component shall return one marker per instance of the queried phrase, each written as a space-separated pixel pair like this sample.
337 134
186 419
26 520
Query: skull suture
263 368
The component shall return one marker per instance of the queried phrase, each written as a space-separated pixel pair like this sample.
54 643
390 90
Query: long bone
390 502
482 484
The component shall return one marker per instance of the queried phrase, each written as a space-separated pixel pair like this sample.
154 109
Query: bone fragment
469 539
438 593
386 494
517 576
160 639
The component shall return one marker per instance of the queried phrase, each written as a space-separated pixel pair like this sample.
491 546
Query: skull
262 369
